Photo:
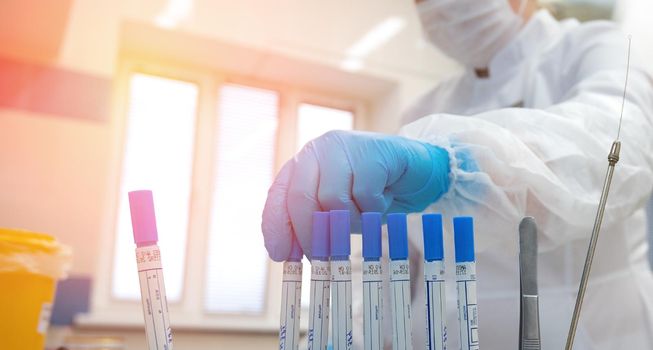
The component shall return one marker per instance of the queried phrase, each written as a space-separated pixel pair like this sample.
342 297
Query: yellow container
30 265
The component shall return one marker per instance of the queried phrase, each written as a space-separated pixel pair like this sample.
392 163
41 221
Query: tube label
400 303
342 309
290 305
318 313
373 304
153 296
436 326
467 307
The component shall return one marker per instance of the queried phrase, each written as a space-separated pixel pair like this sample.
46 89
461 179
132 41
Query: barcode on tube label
148 258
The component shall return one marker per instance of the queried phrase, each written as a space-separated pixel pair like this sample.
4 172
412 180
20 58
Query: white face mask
470 31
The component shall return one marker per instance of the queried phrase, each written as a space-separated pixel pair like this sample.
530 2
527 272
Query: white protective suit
548 160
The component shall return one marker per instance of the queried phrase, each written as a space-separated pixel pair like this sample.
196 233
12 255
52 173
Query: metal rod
613 158
623 100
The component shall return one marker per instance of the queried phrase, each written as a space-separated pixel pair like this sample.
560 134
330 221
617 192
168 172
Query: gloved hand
357 171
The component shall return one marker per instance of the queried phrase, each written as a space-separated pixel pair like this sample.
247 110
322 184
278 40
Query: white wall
51 179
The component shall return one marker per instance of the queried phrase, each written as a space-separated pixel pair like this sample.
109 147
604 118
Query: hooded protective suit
539 129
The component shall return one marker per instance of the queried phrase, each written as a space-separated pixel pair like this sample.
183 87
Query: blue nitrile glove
357 171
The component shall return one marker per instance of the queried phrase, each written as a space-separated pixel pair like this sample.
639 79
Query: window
160 110
245 168
208 147
314 121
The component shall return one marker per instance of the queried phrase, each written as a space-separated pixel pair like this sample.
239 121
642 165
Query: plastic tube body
153 295
400 297
341 321
341 299
373 304
401 309
150 272
467 306
466 282
291 292
318 314
372 280
436 327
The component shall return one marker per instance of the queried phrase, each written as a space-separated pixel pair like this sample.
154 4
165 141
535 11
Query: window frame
189 312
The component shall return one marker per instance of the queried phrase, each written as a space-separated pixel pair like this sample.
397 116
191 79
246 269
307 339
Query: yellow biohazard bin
30 265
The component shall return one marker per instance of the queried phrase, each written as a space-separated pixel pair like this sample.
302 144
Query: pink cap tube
143 219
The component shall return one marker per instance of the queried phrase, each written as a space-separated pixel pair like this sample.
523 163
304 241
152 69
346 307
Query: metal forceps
529 313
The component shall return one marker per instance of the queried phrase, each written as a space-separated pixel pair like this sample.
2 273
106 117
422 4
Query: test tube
372 281
463 228
158 333
318 314
291 293
436 326
341 280
399 282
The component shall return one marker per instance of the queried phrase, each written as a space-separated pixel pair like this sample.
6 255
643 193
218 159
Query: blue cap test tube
291 292
339 228
463 228
436 327
399 281
318 314
372 281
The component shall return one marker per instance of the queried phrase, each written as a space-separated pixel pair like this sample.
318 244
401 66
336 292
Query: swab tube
399 282
291 293
341 280
372 281
463 228
150 272
318 312
436 327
